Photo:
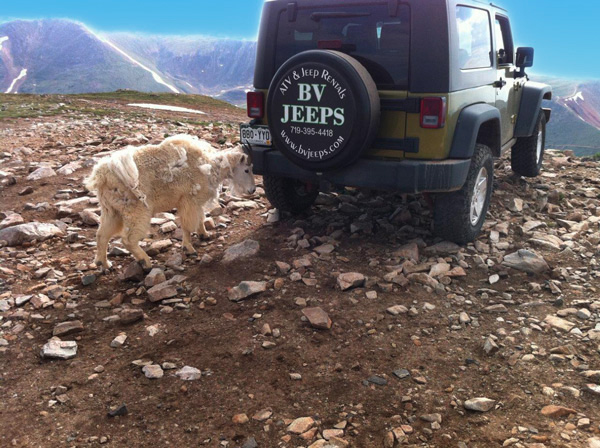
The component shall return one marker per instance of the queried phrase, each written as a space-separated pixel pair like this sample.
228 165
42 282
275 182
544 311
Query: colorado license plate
255 135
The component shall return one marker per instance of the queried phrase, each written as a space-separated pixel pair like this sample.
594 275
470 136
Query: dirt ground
347 381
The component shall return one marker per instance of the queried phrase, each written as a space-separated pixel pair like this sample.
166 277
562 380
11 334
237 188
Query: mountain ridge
64 56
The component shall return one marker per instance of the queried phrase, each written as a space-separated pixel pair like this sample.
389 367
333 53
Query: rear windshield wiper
316 16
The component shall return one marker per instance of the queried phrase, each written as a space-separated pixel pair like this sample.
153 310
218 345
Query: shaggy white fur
183 172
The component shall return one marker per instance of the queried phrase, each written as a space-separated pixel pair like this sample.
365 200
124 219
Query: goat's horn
248 150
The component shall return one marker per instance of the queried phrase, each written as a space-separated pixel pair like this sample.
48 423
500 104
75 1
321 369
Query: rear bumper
405 176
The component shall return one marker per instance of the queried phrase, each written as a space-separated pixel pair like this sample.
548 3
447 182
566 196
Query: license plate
255 135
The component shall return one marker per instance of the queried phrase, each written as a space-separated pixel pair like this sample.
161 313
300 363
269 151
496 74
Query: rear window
379 41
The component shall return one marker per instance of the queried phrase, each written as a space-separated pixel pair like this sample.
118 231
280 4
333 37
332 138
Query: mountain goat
136 182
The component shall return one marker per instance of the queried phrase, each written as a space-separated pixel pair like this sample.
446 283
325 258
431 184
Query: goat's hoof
146 266
205 236
190 252
103 266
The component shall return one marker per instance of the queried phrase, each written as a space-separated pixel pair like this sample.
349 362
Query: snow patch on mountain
155 75
165 107
577 96
2 40
12 84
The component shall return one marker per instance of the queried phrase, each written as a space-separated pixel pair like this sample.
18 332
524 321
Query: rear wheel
290 195
527 155
459 216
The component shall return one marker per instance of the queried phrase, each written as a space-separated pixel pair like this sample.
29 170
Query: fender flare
470 121
529 109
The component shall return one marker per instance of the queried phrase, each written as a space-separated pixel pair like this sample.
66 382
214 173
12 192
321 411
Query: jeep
410 96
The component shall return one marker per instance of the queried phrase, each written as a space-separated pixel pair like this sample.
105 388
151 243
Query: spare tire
323 109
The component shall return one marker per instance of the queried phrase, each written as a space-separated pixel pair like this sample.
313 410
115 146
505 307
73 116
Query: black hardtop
431 66
321 3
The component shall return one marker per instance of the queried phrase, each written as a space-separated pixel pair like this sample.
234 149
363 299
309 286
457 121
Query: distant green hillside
29 105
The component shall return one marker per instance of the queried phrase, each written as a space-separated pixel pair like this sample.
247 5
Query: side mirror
524 57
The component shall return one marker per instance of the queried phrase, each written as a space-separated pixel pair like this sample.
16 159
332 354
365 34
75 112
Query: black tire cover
323 109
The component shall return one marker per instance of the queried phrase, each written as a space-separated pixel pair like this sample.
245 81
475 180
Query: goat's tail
96 180
120 164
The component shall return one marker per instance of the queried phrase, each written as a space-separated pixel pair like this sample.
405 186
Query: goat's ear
244 159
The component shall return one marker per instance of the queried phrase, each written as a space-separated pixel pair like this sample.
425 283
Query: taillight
255 104
433 113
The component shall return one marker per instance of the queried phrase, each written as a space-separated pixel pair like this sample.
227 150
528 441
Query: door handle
499 84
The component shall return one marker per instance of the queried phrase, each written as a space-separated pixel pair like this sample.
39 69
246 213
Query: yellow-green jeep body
432 83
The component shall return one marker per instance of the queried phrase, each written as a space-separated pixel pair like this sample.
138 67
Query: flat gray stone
131 315
162 291
317 318
32 231
526 261
42 172
409 251
188 373
377 380
480 404
349 280
592 375
69 327
155 277
246 289
559 324
443 248
397 309
301 425
12 219
245 249
69 168
401 373
88 279
158 246
56 349
118 341
153 371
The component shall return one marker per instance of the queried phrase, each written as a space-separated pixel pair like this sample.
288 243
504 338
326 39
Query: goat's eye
246 171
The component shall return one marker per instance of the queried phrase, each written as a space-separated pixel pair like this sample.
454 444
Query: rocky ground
348 326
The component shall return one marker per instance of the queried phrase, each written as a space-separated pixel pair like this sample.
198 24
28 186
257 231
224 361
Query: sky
565 33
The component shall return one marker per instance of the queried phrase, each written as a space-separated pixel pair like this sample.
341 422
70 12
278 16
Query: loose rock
162 291
153 371
246 289
480 404
188 373
66 328
25 233
57 349
317 318
527 261
301 425
245 249
350 280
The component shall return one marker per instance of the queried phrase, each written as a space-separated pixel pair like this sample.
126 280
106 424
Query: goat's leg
201 226
110 224
136 222
190 220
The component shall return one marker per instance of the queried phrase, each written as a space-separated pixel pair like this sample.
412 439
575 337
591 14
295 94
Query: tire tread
452 210
523 156
280 193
